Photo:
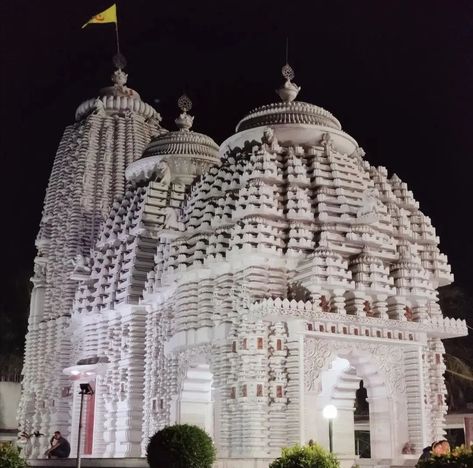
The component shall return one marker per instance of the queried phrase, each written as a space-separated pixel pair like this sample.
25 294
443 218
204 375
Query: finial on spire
287 72
119 77
288 91
184 103
184 121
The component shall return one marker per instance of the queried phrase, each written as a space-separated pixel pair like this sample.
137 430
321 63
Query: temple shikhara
240 287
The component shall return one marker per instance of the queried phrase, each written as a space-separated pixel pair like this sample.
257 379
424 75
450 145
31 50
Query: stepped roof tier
156 186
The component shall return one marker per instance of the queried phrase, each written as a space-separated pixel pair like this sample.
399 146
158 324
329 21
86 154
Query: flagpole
117 37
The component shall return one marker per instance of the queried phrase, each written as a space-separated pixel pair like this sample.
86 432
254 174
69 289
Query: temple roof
182 142
116 99
181 149
288 111
284 113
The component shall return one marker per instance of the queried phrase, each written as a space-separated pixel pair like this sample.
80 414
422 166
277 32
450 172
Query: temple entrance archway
195 403
369 436
333 373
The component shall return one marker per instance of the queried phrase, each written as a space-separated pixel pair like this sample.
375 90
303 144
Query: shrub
180 446
10 457
307 456
459 457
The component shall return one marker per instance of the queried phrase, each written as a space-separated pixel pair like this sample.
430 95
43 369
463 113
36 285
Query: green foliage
10 457
181 446
460 457
307 456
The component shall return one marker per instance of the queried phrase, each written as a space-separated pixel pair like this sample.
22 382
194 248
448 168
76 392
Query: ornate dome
283 113
292 122
187 153
288 111
117 98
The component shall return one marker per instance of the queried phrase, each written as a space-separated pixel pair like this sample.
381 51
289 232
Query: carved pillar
356 303
420 312
396 306
337 302
415 390
380 306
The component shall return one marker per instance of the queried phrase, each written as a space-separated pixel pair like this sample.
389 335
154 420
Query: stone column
356 303
380 306
415 390
396 306
129 413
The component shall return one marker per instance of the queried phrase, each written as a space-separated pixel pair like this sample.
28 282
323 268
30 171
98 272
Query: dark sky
397 74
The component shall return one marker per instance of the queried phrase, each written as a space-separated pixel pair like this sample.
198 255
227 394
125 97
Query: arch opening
195 401
364 426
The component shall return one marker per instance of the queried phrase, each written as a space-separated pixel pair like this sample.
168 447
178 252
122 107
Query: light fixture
330 412
86 389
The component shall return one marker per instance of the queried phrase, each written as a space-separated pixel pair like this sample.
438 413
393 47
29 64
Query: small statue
99 107
269 139
81 269
39 270
171 219
327 143
164 173
268 136
368 211
408 449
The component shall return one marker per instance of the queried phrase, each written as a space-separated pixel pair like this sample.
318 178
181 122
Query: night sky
397 74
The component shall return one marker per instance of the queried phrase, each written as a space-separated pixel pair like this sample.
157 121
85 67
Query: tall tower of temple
109 133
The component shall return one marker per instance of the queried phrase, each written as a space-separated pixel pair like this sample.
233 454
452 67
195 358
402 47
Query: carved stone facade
241 291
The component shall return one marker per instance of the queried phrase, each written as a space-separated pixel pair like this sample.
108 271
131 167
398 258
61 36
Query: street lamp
330 412
85 389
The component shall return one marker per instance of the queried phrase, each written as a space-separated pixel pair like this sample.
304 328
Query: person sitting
60 447
437 449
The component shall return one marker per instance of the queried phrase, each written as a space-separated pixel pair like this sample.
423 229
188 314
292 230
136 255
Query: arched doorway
337 383
195 402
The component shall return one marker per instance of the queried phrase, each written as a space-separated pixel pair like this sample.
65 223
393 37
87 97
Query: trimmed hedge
307 456
181 446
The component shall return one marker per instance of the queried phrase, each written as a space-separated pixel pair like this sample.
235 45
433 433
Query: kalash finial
119 77
288 91
184 121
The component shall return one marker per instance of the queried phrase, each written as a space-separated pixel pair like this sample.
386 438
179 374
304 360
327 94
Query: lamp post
330 412
85 389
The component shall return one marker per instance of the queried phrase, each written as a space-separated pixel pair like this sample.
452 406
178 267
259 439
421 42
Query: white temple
241 289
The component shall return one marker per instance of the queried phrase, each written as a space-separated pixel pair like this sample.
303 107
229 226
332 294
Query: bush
459 457
307 456
10 457
180 446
